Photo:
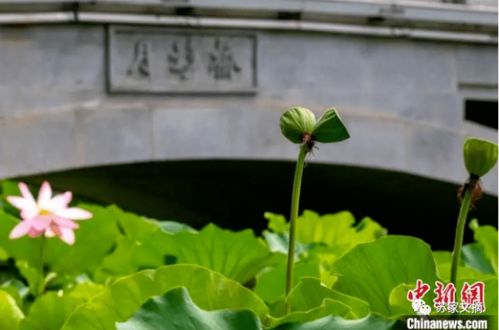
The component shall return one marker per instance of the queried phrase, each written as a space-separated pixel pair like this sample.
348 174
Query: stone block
374 142
3 152
45 70
435 153
301 68
38 144
407 66
115 135
476 65
191 133
436 108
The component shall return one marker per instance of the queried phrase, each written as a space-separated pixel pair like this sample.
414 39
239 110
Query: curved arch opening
235 194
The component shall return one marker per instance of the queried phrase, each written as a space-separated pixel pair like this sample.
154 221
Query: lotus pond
67 265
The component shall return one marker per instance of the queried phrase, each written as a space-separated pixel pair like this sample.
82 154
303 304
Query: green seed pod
330 128
296 122
480 156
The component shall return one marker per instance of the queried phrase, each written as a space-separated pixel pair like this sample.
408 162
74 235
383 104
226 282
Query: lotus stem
295 204
461 222
41 284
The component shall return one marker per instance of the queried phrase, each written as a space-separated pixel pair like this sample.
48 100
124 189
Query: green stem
41 283
458 242
295 203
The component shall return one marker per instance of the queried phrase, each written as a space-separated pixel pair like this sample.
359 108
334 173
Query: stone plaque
166 60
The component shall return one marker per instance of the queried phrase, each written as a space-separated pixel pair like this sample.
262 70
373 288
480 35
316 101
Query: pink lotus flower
47 215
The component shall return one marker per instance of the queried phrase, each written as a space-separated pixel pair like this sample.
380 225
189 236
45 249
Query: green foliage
51 310
270 285
474 256
133 272
310 293
140 244
370 271
337 232
334 322
10 313
100 233
176 310
237 255
24 248
486 237
208 289
311 300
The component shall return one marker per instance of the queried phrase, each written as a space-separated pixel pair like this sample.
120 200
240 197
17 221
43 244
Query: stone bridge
87 83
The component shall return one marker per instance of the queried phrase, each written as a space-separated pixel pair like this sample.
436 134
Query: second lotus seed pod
480 156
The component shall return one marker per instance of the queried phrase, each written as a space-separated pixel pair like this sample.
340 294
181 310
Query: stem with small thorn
461 221
295 203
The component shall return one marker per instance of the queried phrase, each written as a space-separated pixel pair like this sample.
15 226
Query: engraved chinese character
222 63
181 58
139 68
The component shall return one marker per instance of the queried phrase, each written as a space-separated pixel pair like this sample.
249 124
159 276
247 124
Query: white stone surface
401 100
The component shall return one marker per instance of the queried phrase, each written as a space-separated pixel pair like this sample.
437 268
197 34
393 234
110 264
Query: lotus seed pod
330 128
296 122
480 156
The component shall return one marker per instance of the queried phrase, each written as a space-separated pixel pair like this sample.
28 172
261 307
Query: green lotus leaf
330 128
480 256
17 289
237 255
174 227
100 233
270 284
327 307
369 322
480 156
443 260
487 237
277 222
176 310
51 310
370 271
399 305
474 256
208 289
463 272
143 243
10 314
311 300
295 122
3 255
336 231
310 293
24 248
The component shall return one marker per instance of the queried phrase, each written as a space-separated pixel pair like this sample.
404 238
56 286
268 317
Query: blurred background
171 108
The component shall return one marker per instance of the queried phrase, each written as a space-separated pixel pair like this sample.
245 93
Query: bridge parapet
401 91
